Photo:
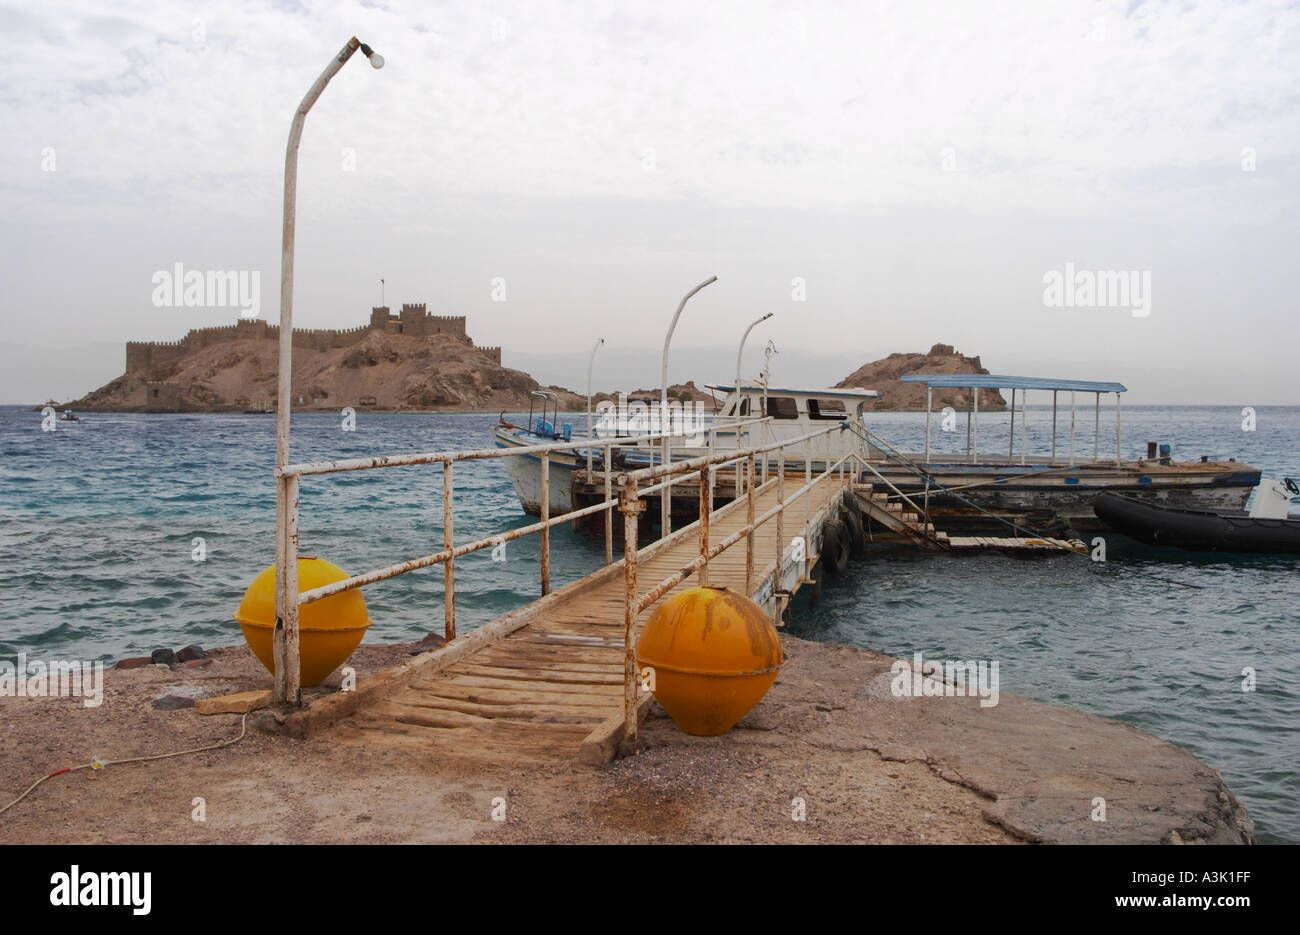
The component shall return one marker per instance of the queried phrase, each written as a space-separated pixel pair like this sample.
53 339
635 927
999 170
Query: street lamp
287 686
590 440
666 497
743 339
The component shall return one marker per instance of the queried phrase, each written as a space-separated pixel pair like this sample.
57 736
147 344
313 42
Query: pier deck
542 680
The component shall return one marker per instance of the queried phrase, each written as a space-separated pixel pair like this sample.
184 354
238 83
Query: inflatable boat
1267 528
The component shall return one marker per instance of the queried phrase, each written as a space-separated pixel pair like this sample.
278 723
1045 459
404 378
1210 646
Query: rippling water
98 521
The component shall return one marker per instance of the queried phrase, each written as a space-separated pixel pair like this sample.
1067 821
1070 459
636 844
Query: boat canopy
998 381
843 392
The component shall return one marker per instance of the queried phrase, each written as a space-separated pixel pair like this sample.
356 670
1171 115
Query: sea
121 533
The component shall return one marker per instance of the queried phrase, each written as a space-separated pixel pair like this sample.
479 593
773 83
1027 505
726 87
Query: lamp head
376 60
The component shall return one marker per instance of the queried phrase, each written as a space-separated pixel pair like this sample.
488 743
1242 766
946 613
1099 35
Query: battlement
493 352
414 319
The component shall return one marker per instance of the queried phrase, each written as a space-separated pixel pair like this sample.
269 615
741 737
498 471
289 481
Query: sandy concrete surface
831 755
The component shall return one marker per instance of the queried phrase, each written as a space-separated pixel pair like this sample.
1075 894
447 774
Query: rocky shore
831 755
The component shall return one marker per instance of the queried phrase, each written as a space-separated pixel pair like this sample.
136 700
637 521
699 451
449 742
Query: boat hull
1197 530
1065 492
525 473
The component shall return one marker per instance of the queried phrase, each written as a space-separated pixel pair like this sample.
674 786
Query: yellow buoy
714 654
328 630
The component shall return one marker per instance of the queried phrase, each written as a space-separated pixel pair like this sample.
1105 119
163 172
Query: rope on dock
100 764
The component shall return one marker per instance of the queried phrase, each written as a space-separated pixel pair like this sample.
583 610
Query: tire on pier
835 547
851 516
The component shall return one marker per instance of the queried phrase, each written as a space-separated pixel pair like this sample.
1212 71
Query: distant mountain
883 375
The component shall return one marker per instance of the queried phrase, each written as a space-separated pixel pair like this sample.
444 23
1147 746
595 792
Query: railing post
807 479
749 538
546 529
449 566
705 510
829 475
287 685
629 506
609 511
778 581
666 493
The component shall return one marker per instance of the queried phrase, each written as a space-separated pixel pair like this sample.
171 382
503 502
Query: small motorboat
1266 529
68 416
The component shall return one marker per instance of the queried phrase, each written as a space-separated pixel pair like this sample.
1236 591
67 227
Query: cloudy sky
881 176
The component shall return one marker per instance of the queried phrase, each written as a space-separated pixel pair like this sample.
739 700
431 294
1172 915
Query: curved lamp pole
739 353
666 497
743 339
287 686
590 440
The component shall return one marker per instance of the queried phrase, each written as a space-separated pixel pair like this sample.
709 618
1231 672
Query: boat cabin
775 412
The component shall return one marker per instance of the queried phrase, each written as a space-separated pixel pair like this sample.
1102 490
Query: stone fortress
145 356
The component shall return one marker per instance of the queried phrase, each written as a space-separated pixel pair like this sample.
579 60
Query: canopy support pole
968 412
1011 445
1054 392
928 390
1024 432
1118 439
1072 426
1096 428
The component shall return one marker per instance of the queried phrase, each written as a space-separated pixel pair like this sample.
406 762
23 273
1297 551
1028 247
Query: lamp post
287 687
590 439
743 339
665 498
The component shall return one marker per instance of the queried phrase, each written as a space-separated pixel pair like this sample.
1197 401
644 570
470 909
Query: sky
880 176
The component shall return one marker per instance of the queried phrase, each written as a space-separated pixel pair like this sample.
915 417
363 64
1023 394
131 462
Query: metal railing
287 678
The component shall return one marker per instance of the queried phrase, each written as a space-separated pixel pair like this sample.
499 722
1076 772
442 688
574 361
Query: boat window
826 409
782 407
744 407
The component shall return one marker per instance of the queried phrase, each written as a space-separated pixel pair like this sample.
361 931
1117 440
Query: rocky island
409 361
882 375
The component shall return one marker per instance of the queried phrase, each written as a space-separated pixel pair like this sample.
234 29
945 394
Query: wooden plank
506 696
574 714
549 673
469 680
496 727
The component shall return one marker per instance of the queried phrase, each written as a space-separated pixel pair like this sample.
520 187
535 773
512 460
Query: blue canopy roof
998 381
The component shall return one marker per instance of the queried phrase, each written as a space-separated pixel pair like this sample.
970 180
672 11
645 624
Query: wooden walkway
541 688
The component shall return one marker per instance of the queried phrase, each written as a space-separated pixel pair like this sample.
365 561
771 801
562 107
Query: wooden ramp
540 689
1015 544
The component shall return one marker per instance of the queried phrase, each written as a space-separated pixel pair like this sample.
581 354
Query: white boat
750 415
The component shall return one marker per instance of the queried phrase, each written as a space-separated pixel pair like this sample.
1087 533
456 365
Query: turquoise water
98 521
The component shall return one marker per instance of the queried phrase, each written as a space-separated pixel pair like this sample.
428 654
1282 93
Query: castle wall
414 319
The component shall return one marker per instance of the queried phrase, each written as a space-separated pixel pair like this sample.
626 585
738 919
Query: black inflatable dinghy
1197 530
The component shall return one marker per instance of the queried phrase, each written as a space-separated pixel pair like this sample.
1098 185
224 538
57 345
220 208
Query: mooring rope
100 764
